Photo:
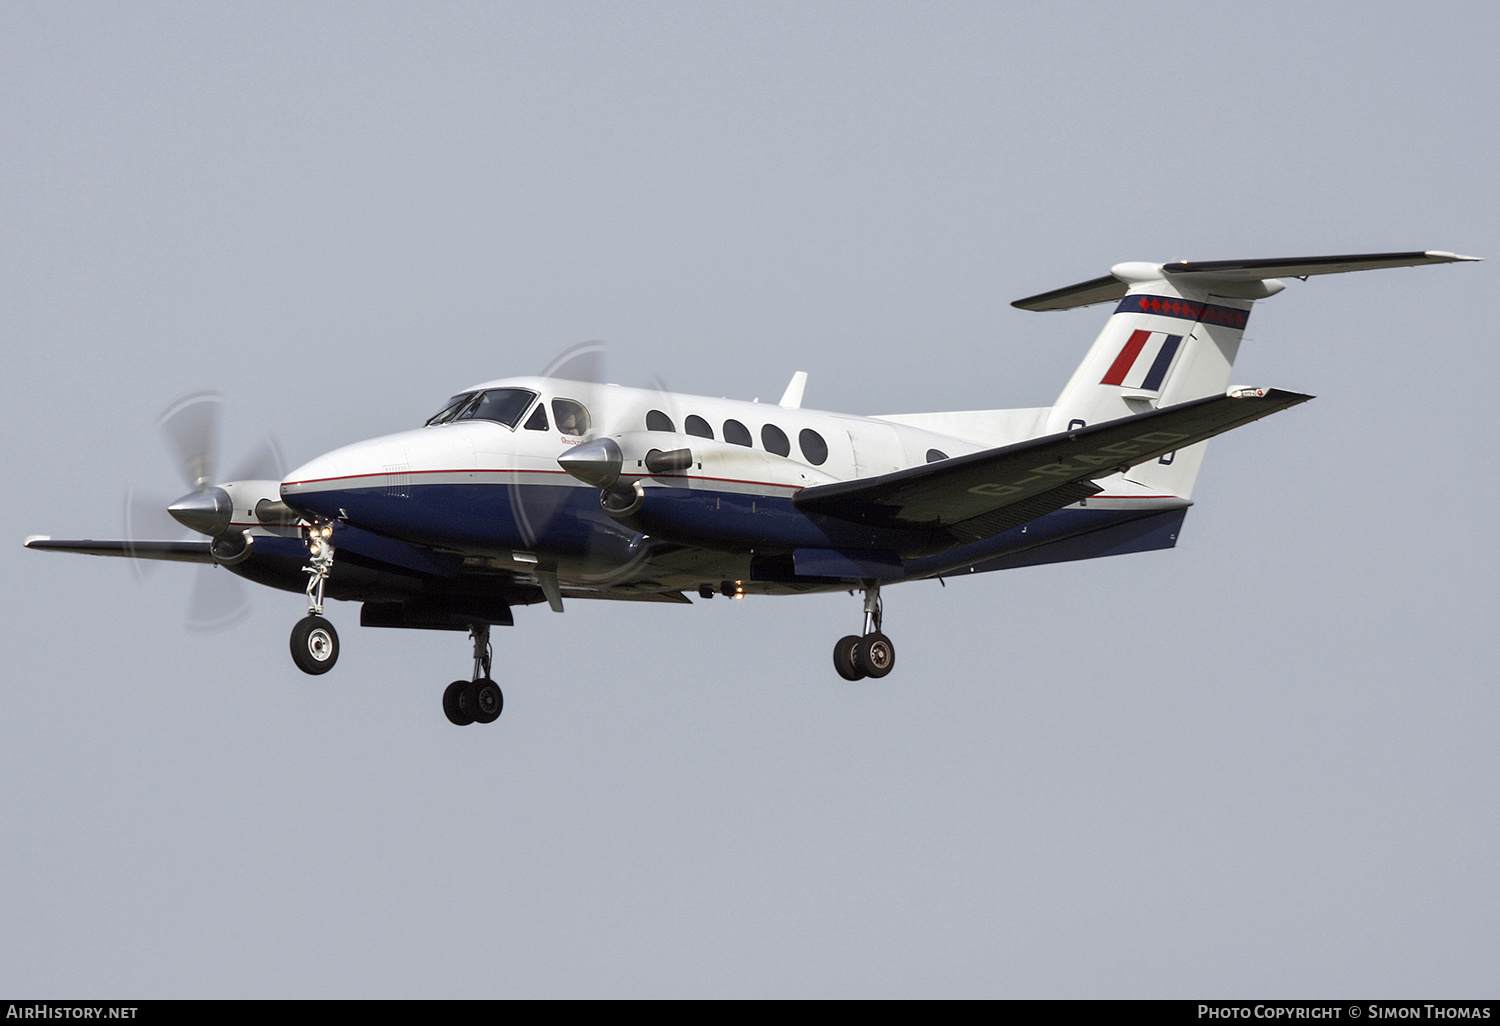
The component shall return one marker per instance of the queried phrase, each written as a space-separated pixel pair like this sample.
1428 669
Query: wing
982 494
174 551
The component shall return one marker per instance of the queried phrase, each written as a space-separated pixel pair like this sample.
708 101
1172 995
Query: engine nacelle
702 491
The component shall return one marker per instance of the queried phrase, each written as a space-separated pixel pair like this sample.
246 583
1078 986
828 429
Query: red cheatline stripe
1123 362
517 470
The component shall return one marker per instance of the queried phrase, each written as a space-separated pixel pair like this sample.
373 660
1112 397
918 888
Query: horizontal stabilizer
1114 285
984 493
1302 267
1107 289
173 551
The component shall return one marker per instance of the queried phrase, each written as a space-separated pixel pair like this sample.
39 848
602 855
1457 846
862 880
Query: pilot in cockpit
571 417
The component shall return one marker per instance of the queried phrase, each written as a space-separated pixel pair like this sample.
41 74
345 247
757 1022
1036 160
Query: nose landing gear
315 644
479 700
871 655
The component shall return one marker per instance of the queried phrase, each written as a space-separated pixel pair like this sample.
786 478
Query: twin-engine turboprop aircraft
545 489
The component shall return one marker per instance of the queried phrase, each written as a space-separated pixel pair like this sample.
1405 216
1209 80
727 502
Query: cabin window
696 425
934 455
571 417
450 411
658 421
538 419
501 405
736 433
774 439
814 449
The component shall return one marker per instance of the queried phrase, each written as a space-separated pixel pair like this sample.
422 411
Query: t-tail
1174 336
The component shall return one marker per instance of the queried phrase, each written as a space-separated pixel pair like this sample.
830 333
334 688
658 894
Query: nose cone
368 483
207 511
310 489
597 463
311 474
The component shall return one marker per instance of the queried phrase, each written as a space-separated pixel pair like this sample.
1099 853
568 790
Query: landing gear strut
315 644
871 655
479 700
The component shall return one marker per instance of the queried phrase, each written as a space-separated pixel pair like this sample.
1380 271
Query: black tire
843 658
486 700
315 645
452 706
875 655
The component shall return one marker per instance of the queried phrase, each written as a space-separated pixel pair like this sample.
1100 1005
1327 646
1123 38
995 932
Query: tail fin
1174 337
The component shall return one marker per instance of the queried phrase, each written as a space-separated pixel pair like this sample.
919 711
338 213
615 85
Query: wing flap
627 595
981 494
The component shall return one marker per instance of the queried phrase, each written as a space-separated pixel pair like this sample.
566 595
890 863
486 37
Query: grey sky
1262 763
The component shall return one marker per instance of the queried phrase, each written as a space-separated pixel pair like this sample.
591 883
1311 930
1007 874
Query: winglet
791 399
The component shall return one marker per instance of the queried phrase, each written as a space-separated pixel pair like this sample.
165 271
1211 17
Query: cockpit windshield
502 405
450 411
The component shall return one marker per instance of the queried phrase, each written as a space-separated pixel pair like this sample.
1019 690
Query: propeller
543 512
582 361
190 429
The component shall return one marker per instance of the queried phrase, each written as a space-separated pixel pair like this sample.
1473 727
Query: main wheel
843 658
315 645
875 655
452 704
486 700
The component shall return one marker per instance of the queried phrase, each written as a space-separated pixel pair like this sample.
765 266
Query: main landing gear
873 654
315 644
479 700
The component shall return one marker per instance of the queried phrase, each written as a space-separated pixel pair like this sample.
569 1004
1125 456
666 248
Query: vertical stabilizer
1167 342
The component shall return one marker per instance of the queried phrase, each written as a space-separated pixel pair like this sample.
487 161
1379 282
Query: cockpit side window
538 419
571 417
450 411
502 405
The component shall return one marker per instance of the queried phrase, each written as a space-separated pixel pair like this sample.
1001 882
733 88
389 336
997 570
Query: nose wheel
479 700
856 657
315 645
